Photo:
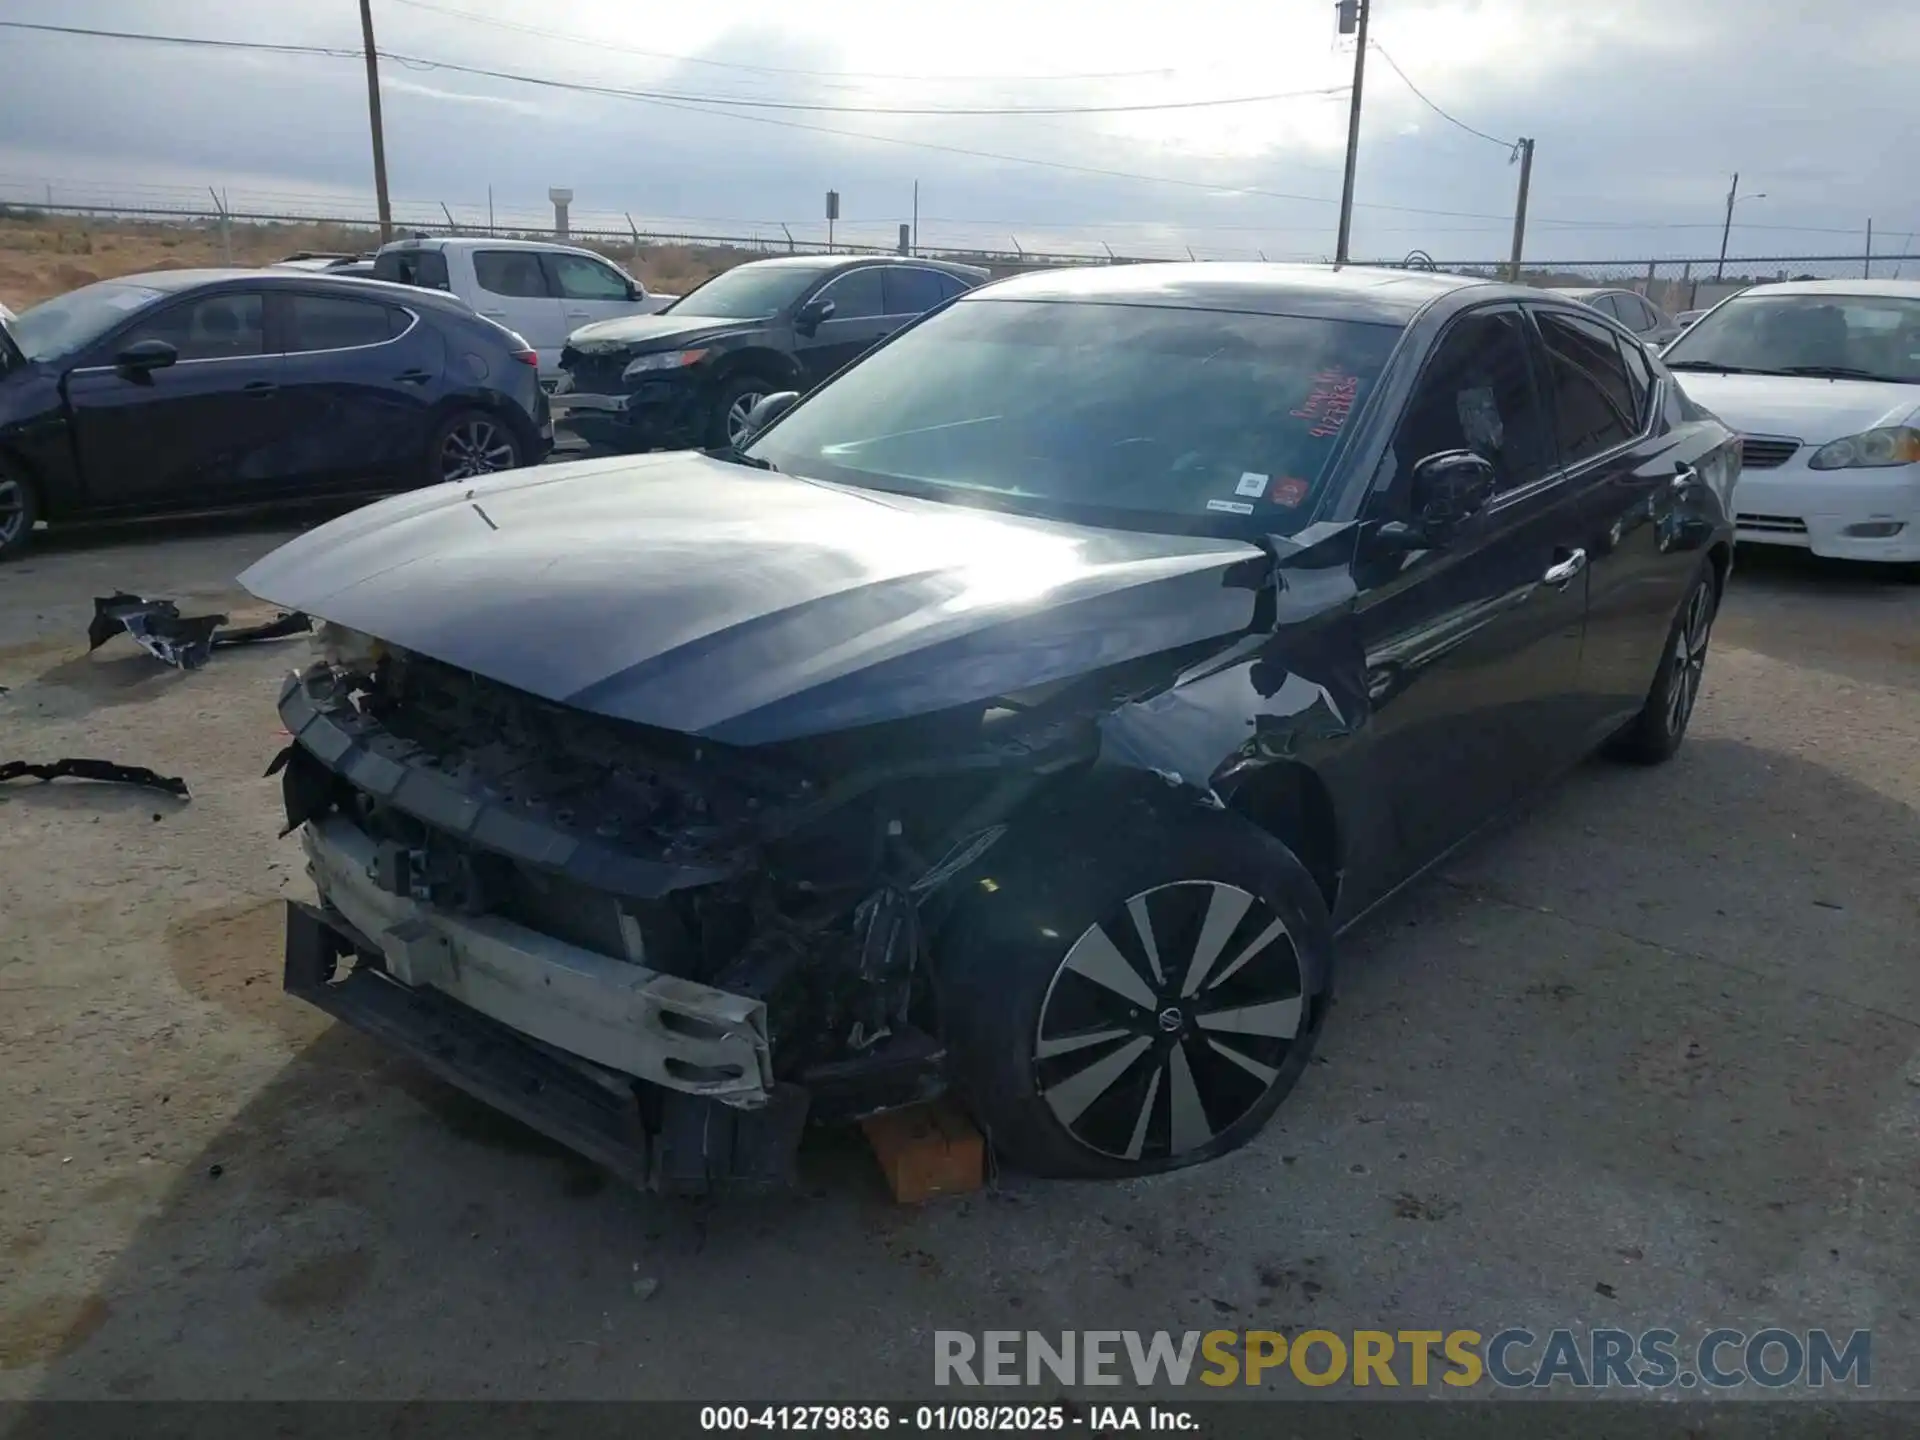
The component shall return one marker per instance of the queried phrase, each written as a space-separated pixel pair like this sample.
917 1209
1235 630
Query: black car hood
629 331
696 595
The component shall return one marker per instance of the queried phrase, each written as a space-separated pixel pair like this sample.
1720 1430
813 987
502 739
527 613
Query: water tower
561 198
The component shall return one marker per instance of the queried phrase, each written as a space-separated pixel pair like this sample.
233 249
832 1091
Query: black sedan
194 390
689 375
1026 711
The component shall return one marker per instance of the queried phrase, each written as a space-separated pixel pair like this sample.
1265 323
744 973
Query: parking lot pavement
1650 1055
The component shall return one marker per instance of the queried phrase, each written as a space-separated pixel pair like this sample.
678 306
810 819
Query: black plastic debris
105 771
185 642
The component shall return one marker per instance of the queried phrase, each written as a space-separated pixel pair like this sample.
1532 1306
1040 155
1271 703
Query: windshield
1873 337
748 292
58 327
1115 414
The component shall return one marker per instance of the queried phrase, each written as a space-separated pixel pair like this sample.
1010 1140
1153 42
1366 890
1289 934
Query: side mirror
810 316
636 291
768 409
143 357
1448 490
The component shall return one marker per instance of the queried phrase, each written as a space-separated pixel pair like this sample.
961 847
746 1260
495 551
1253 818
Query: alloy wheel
737 413
1166 1024
1689 657
476 447
13 511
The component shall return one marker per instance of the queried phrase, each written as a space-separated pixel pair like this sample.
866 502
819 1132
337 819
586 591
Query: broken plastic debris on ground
185 642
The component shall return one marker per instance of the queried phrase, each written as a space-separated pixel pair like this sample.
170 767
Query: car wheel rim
1168 1022
13 511
737 416
478 447
1689 657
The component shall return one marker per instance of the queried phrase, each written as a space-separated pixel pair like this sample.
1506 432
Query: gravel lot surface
1649 1055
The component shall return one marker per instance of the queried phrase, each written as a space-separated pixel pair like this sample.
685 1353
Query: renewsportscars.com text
1513 1358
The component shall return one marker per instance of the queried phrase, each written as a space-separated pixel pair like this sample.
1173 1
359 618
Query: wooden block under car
927 1151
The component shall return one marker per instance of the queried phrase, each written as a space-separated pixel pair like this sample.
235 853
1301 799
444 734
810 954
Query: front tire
1138 991
471 443
726 421
1653 736
19 509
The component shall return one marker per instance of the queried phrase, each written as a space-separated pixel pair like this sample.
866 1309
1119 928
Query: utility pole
1353 21
1866 272
373 115
915 250
1733 191
1525 152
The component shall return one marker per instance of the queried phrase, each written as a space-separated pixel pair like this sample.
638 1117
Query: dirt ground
1649 1056
47 255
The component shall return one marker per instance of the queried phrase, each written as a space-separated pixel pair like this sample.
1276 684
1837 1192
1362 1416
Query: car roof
1351 292
1896 289
488 242
278 278
1581 292
821 264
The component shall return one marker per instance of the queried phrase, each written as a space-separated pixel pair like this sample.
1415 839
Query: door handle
413 377
259 389
579 314
1561 571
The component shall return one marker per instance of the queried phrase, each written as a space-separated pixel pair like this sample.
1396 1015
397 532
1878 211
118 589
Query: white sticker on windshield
1251 484
1232 507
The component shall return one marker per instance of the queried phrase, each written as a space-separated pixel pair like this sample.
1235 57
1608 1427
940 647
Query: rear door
1473 650
511 286
203 431
1632 474
358 382
589 289
859 322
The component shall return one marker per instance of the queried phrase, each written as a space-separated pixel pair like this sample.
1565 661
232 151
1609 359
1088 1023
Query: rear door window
425 268
511 272
327 322
1593 399
913 291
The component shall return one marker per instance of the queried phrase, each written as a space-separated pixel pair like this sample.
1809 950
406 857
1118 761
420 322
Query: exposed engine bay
739 929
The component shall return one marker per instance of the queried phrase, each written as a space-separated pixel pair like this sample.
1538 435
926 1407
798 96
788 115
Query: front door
1472 649
858 323
1632 473
589 290
358 382
199 432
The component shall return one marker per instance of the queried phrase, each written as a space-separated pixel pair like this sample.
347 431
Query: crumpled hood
1809 410
695 595
628 331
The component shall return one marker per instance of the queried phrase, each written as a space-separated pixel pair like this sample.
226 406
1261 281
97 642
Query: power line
525 29
1422 96
583 87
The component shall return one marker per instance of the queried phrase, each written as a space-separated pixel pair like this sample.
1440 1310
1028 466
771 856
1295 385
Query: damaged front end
667 953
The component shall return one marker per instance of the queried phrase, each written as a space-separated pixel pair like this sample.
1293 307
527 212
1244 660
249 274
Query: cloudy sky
1641 110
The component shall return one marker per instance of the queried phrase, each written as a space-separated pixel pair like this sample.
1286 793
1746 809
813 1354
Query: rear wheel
1136 993
19 509
471 443
1654 735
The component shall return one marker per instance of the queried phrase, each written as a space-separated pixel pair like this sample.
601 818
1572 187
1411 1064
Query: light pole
1733 194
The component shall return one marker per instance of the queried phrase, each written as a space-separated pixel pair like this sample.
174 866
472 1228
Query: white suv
542 291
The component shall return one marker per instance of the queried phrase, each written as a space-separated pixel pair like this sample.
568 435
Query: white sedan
1821 378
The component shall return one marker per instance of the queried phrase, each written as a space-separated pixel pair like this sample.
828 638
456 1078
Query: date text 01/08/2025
1004 1419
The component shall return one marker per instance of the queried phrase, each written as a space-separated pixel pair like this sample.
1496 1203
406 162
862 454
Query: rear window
425 268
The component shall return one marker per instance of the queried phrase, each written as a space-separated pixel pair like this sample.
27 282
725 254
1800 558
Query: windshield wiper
740 457
1833 372
1715 365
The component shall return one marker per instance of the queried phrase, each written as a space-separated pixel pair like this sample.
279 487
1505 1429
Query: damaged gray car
1021 714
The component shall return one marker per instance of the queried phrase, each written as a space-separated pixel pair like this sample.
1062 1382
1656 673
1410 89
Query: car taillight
527 357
